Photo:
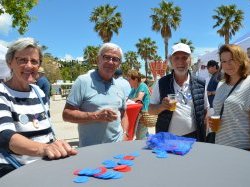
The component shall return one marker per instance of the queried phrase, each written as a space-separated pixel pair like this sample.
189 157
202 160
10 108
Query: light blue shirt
124 84
90 93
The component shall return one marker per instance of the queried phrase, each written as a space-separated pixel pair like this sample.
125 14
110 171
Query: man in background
43 83
123 83
248 52
213 69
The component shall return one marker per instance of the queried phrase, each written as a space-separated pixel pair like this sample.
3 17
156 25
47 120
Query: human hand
214 123
107 115
58 149
167 104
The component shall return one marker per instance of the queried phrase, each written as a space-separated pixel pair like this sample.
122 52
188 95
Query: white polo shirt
182 121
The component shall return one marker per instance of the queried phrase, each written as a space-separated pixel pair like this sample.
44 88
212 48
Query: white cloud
80 58
5 23
4 43
67 58
199 51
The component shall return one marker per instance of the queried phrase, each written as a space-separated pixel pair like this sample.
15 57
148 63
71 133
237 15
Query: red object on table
133 111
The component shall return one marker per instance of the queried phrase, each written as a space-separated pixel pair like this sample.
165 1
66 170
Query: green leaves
19 10
107 21
229 19
165 18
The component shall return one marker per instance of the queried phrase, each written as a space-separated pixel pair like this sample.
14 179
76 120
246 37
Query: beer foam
215 117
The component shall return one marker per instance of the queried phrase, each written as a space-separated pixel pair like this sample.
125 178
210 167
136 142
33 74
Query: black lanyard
222 108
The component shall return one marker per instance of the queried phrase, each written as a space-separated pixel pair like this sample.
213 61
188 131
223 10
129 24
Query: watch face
23 118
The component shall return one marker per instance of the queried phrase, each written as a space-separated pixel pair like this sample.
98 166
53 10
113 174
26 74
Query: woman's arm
24 146
139 96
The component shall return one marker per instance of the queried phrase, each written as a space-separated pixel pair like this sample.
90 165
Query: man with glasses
188 118
43 82
97 103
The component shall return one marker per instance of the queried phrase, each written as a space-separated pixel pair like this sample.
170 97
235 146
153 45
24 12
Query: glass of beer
173 102
216 123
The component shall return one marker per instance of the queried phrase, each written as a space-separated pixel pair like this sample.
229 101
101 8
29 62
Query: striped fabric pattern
23 103
235 125
13 104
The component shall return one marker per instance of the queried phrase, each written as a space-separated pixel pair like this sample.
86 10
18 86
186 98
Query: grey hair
20 45
109 46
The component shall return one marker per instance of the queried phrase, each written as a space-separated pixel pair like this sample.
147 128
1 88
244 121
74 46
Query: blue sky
64 27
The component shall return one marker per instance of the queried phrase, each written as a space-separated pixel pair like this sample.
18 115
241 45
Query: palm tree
131 59
106 21
188 42
90 54
147 49
165 18
157 58
230 19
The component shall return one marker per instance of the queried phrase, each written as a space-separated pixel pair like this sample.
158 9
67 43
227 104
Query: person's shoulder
198 80
2 87
165 79
142 85
36 87
83 78
248 78
125 80
246 82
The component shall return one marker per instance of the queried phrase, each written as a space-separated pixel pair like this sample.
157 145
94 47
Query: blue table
206 165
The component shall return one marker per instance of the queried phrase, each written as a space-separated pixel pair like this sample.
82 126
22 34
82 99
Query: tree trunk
166 47
227 39
146 68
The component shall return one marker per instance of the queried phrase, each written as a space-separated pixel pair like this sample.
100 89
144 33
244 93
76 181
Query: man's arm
125 124
75 115
155 109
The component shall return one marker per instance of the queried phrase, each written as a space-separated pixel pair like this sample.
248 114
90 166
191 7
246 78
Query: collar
100 79
184 87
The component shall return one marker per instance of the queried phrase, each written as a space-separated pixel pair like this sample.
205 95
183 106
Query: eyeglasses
108 58
23 61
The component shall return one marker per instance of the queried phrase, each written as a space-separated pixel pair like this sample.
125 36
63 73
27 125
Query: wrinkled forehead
28 51
112 52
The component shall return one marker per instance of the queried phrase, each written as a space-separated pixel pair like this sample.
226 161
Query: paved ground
63 130
66 130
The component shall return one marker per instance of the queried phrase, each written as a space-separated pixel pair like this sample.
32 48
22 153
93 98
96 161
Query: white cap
181 47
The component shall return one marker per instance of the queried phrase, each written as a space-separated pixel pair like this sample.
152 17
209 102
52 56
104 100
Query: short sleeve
76 94
155 96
